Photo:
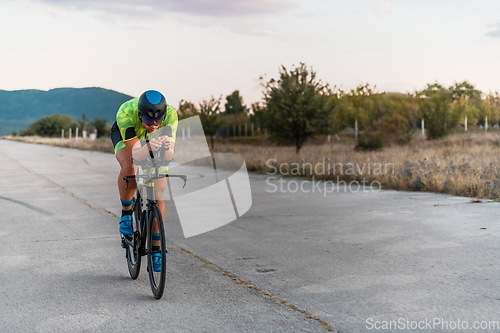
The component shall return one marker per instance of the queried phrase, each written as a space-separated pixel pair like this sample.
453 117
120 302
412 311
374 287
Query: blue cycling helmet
152 104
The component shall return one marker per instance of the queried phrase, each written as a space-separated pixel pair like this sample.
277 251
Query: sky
195 49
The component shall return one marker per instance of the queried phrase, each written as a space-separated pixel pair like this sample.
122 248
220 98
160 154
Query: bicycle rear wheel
133 242
156 278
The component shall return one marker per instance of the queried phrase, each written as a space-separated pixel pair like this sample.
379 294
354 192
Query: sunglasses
151 121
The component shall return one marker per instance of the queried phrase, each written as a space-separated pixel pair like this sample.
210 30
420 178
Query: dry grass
102 144
461 164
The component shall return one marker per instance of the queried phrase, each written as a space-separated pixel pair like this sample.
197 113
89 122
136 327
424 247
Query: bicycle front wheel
133 241
157 253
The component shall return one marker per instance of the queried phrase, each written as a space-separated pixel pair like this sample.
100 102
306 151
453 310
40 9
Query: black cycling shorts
115 134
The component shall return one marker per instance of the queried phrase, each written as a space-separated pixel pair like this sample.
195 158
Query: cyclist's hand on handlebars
162 141
166 142
156 143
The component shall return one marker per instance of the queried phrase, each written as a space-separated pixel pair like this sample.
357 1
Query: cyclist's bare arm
140 153
170 146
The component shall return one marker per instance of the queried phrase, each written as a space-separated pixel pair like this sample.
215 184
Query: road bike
146 223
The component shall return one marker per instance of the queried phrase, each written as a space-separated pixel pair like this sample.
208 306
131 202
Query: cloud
246 17
495 33
211 8
227 7
50 11
383 8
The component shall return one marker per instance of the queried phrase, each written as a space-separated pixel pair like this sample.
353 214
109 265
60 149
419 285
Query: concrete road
350 261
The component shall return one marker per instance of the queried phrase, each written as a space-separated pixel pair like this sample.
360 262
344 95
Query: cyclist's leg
126 191
160 187
123 155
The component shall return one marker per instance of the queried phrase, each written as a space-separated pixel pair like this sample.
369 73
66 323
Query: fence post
423 127
62 133
486 123
465 123
70 133
356 129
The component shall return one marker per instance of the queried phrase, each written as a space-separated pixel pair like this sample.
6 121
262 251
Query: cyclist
138 119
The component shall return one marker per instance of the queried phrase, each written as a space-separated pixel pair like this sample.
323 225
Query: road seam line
281 301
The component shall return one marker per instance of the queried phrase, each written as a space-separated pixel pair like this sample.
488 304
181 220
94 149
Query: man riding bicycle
138 119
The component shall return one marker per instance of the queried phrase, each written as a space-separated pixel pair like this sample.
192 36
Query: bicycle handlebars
183 177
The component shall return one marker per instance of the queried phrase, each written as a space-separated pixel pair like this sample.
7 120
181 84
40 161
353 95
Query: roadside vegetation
61 125
464 164
440 139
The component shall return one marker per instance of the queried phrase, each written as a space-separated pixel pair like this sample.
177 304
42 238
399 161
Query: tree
50 125
435 108
463 107
186 109
468 91
259 117
210 117
491 107
466 102
100 125
234 104
297 104
234 124
358 105
83 123
399 116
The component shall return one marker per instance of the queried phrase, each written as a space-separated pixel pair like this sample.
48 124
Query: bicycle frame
151 202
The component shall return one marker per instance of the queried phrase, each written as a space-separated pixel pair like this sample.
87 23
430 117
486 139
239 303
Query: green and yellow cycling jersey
130 126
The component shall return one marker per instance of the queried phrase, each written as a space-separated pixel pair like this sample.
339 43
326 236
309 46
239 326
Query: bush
50 126
370 141
396 128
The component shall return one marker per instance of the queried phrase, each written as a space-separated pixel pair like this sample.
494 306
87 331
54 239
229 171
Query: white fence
84 135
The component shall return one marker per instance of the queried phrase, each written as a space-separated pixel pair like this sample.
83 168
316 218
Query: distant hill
19 108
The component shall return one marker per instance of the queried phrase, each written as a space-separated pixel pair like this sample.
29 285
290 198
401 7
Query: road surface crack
27 205
245 284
